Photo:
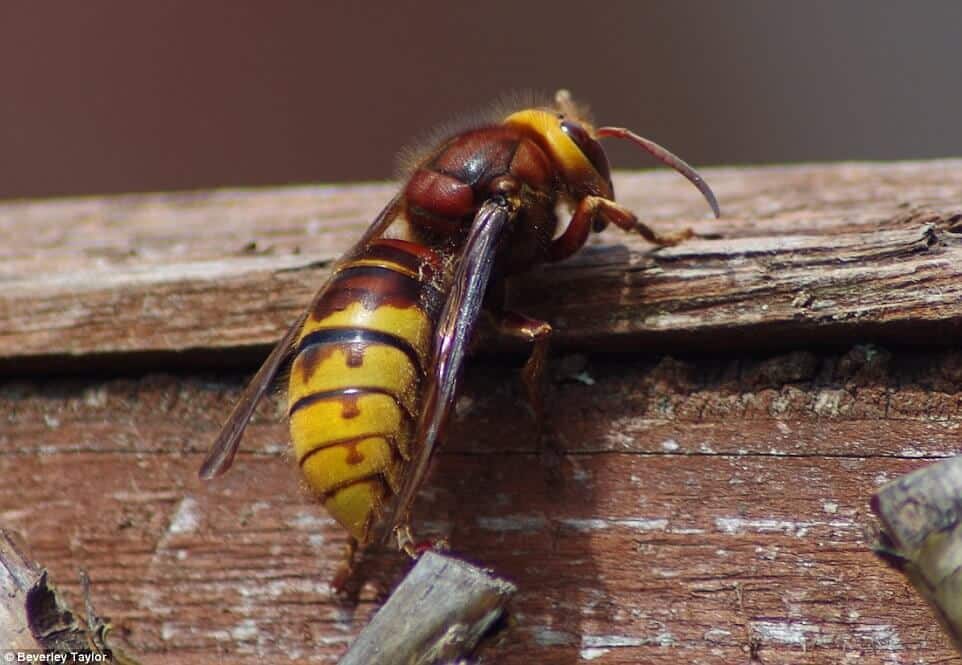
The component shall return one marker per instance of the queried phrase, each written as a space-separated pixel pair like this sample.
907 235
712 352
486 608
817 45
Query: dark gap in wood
763 338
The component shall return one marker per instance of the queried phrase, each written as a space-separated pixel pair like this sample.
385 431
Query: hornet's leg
525 329
597 212
407 544
345 571
405 538
517 326
537 333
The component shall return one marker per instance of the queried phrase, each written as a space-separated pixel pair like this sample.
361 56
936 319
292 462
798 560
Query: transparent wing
224 448
458 317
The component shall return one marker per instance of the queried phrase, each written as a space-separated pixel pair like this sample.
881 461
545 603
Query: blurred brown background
111 96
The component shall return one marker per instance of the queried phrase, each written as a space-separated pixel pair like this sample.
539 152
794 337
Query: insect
375 359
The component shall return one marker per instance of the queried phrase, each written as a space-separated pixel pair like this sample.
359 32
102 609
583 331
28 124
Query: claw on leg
405 540
407 544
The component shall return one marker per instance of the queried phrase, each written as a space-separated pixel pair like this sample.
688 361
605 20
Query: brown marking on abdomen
309 358
410 255
318 346
372 286
378 480
349 407
353 392
354 440
355 355
354 456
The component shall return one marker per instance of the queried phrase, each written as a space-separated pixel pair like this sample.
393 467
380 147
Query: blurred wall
110 96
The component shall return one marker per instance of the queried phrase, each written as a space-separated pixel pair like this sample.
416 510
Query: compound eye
589 148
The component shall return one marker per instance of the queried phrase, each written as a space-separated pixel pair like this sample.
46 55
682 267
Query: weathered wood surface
921 513
705 509
804 252
437 615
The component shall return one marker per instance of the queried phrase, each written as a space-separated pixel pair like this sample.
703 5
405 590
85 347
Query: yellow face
572 148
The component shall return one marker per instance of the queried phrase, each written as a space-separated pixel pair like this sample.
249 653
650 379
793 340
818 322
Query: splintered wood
18 574
34 619
708 498
922 517
436 615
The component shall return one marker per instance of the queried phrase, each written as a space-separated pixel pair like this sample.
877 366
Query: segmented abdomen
357 375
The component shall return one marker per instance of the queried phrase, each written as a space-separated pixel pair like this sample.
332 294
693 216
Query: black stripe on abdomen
339 393
361 337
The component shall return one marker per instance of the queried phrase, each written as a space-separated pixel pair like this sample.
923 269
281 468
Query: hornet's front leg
595 212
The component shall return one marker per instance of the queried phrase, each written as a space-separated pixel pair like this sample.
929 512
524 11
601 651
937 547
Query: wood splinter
33 616
437 614
921 514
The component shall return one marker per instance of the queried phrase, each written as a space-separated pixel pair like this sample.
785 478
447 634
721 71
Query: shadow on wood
711 504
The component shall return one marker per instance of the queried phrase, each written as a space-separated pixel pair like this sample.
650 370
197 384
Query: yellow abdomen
356 379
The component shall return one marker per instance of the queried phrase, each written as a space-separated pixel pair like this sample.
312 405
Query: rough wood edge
18 574
437 614
921 514
34 619
825 254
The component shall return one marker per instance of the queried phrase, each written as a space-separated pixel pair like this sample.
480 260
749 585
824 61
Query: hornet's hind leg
350 575
344 579
413 548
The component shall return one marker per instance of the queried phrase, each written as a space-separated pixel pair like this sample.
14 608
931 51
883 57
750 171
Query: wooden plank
704 509
831 253
701 510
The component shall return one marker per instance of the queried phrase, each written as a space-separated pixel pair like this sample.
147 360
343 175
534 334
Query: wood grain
701 509
708 507
852 252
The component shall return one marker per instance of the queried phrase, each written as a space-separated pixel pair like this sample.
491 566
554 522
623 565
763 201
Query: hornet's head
569 138
572 143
